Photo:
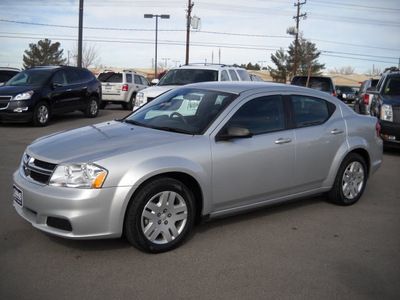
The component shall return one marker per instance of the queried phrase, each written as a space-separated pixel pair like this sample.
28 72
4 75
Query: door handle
283 141
68 90
337 131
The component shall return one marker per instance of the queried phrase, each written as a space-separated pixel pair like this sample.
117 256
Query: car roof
238 87
206 67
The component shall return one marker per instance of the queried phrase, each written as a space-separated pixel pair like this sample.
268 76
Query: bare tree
374 71
90 55
347 70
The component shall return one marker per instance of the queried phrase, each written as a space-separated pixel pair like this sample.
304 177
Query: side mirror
234 132
55 85
155 81
2 83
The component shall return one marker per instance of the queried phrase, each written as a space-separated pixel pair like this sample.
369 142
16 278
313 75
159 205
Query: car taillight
366 99
125 87
333 94
377 128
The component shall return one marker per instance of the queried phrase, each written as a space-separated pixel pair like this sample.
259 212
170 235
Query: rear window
317 83
110 77
186 76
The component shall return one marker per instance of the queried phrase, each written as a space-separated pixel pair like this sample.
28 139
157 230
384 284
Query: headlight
24 96
139 99
386 113
87 176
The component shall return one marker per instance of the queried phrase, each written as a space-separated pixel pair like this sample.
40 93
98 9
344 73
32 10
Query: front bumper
91 213
19 111
390 133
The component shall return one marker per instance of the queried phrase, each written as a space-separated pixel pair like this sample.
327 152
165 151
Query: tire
41 114
131 103
92 108
160 216
350 180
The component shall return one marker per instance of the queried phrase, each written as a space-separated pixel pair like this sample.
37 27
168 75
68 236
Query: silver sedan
196 153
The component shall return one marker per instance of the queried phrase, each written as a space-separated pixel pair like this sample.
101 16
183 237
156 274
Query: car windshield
30 78
316 83
110 77
188 111
392 87
186 76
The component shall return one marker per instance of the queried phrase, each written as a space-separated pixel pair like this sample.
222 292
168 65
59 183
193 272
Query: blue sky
360 34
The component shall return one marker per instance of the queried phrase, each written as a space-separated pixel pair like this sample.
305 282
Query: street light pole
150 16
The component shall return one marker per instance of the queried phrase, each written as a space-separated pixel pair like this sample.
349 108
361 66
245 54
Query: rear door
111 84
320 131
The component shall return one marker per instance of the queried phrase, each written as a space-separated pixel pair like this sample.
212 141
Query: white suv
190 74
121 87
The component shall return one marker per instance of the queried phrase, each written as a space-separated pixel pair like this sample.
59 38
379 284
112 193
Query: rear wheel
92 108
41 114
131 103
159 218
350 180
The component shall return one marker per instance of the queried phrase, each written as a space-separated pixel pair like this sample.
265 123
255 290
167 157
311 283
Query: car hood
95 142
15 90
155 91
391 99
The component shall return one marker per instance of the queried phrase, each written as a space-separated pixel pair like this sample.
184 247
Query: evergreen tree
307 56
279 74
44 53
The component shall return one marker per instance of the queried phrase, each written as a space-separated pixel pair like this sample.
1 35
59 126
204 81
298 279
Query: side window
128 78
144 81
72 77
224 76
260 115
86 75
60 78
233 75
137 80
310 111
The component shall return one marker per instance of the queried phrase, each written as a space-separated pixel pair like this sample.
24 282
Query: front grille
396 113
4 101
59 223
36 170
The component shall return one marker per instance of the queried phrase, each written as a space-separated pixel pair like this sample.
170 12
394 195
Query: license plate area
18 196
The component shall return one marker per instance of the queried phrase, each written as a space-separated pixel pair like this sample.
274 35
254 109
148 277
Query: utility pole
189 11
80 33
304 16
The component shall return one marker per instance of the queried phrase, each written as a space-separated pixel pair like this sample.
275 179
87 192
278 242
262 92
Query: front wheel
350 180
160 216
41 114
92 108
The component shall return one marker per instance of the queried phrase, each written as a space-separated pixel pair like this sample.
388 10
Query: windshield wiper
133 122
177 130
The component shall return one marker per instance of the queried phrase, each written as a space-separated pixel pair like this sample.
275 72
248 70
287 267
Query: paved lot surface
310 249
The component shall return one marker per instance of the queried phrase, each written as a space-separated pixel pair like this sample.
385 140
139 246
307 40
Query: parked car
319 83
179 76
195 153
34 95
121 87
7 73
363 99
346 93
386 107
